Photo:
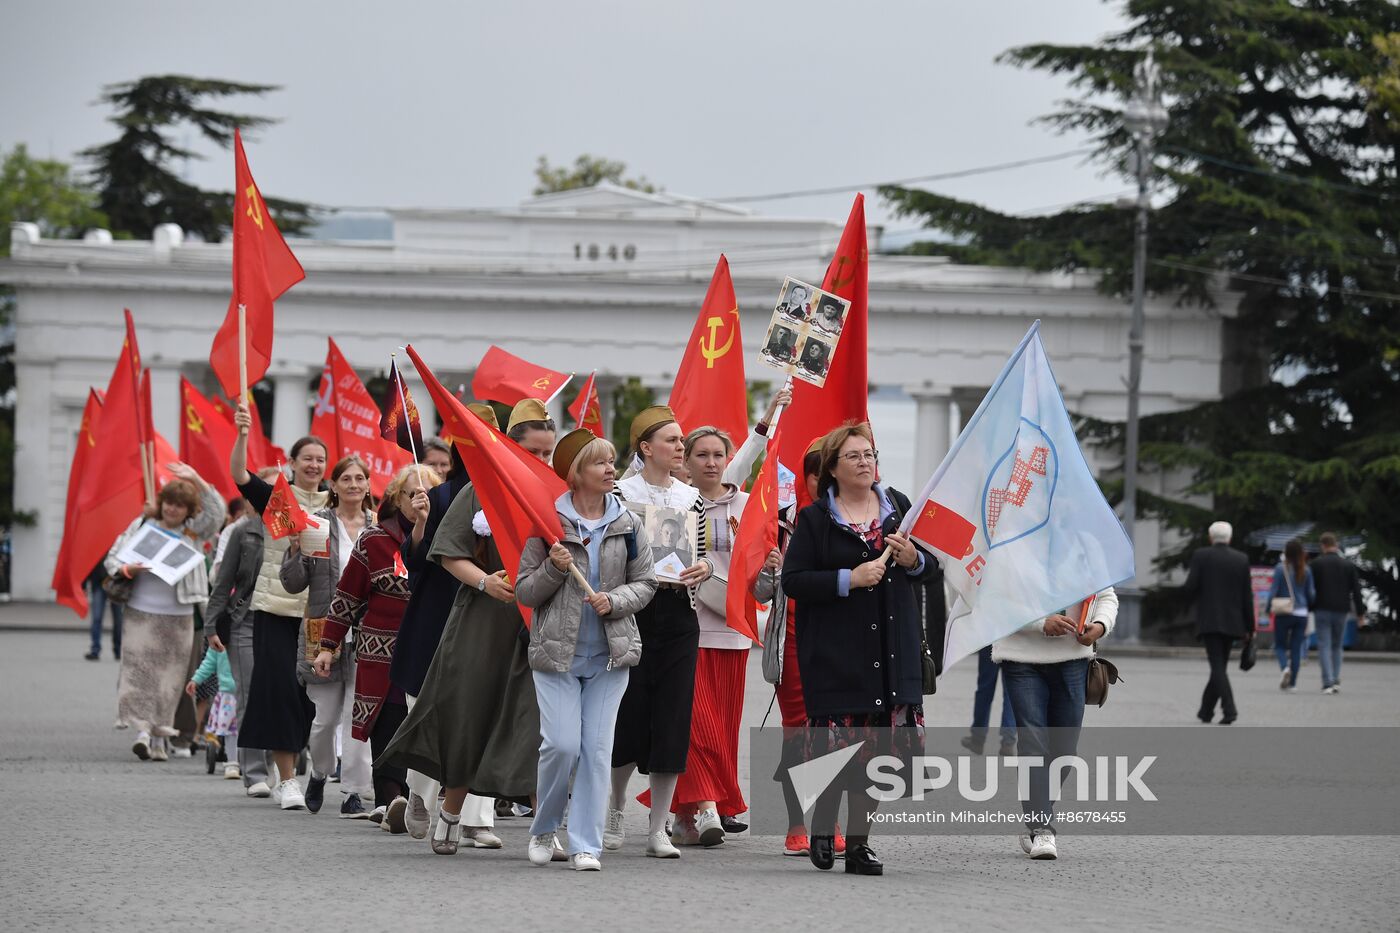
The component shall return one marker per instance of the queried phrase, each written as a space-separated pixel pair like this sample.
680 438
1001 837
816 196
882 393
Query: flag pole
408 426
562 385
243 352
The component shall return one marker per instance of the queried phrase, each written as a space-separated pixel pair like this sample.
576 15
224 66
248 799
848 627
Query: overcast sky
447 103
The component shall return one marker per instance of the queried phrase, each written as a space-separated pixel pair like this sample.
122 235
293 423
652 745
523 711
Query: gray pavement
94 837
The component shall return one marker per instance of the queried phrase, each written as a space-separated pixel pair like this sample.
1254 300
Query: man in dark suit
1219 585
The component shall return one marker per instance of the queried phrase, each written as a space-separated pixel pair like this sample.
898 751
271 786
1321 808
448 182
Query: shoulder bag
1280 605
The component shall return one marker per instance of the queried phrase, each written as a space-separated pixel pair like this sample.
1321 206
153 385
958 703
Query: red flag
111 490
502 377
586 410
709 387
263 268
207 436
68 578
284 514
843 398
517 490
757 535
400 422
940 527
347 419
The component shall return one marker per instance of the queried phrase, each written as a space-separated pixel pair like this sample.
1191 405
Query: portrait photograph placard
168 555
804 331
672 533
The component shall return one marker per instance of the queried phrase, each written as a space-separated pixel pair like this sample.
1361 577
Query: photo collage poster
806 327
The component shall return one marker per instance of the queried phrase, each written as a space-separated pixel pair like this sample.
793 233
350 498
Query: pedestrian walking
98 604
1290 597
1338 586
1218 584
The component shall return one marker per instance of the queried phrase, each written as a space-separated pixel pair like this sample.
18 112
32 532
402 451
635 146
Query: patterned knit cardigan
371 596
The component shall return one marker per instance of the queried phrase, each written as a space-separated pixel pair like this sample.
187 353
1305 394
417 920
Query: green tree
44 192
586 172
1384 86
1278 176
138 188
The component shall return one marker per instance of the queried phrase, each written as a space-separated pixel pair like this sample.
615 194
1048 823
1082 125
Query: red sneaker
796 843
840 844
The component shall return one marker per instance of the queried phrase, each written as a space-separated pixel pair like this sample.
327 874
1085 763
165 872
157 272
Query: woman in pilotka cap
653 726
474 726
581 647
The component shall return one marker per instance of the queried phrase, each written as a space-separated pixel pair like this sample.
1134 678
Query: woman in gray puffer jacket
334 695
582 646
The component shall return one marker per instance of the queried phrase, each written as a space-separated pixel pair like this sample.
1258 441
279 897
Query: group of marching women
398 656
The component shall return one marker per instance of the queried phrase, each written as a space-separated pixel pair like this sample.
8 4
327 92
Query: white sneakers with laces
290 796
709 828
543 848
480 837
612 831
260 789
1043 846
586 861
416 818
659 845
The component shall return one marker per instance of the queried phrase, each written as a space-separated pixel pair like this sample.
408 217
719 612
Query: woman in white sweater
1043 668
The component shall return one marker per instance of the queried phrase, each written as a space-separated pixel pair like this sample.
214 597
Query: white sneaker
1043 847
260 789
415 820
1025 840
141 748
290 796
684 833
659 846
1283 679
231 772
612 831
480 837
707 826
159 751
376 816
542 848
586 861
182 751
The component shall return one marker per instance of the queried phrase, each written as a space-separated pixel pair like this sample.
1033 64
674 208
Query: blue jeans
578 715
97 605
1290 636
1331 625
987 673
1048 701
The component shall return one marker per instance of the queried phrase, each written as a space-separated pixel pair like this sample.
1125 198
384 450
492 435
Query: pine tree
1278 175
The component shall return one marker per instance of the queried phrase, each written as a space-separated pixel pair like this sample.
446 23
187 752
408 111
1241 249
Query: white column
932 431
41 477
165 400
291 411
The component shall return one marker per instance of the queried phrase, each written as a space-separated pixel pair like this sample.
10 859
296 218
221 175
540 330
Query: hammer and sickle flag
263 268
506 378
709 387
207 435
757 535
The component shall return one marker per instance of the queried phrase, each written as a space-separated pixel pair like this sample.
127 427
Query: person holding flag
370 598
582 646
653 724
345 517
159 616
475 724
858 634
278 715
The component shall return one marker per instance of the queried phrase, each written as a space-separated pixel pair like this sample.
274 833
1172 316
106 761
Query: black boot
822 852
861 860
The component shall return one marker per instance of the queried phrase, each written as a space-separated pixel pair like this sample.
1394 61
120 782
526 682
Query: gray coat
318 576
231 594
557 597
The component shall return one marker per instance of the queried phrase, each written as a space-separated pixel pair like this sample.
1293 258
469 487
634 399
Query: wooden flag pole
403 406
582 580
242 352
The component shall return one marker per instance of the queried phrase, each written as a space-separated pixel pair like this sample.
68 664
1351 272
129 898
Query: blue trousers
1331 626
988 671
97 605
1290 638
1048 700
578 713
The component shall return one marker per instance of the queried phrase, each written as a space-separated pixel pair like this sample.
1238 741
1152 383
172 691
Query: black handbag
929 670
1248 654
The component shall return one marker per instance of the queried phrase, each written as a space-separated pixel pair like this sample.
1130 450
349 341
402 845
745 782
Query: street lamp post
1145 118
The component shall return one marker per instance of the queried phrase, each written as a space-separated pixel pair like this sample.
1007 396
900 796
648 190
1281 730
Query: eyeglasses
856 458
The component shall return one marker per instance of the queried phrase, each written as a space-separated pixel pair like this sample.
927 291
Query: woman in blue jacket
1292 580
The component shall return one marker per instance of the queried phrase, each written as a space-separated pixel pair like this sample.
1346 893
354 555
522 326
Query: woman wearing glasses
857 633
